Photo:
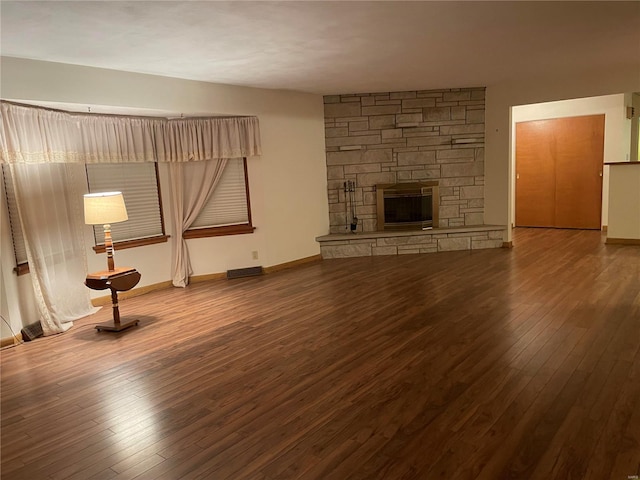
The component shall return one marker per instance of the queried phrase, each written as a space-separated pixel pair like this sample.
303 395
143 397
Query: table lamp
104 209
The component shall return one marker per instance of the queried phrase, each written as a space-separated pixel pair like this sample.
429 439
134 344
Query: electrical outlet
254 254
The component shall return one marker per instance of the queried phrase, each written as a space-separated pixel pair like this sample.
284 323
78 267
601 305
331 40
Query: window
16 230
228 210
138 183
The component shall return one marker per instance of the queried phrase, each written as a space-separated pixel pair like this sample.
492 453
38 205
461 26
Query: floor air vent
32 331
244 272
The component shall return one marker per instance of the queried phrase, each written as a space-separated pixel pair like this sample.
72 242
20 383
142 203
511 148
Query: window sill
23 268
218 231
133 243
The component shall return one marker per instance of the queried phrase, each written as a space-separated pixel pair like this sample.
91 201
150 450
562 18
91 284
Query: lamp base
117 327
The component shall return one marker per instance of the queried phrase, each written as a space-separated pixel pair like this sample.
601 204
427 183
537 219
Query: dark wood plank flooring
494 364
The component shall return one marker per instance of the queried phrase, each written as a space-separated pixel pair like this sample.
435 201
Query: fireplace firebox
407 206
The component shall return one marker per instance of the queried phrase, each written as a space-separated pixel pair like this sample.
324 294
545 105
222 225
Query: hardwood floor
492 364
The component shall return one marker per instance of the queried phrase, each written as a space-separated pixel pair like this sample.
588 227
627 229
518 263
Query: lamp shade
104 208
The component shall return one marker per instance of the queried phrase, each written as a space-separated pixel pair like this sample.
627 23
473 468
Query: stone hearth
410 242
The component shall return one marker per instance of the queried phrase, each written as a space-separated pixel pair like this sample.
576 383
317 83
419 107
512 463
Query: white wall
635 127
287 183
624 201
617 130
544 88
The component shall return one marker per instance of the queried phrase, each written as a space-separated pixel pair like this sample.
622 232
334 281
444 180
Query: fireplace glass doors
407 206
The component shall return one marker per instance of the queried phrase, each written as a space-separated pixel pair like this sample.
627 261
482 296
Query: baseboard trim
207 277
294 263
508 244
7 342
101 301
622 241
106 300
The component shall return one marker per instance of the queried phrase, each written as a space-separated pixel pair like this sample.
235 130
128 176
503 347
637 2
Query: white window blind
14 218
139 186
228 203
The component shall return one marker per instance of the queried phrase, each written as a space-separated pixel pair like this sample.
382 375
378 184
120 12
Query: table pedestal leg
117 323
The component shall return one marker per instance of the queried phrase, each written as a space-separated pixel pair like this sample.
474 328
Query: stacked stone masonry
399 243
397 137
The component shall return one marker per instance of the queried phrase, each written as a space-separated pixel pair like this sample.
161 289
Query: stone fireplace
405 137
389 141
407 206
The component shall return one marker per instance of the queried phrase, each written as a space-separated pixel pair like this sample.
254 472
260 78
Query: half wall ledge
345 245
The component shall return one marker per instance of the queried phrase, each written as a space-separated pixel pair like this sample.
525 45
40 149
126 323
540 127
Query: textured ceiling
329 47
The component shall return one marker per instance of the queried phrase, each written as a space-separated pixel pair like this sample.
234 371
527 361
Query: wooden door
559 166
535 175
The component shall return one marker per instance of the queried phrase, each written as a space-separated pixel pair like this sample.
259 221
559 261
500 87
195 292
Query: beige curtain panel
189 139
191 185
33 135
115 139
39 135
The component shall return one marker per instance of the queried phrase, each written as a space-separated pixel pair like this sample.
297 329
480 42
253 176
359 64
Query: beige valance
39 135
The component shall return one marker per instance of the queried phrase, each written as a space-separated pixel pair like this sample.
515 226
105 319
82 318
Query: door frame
612 106
550 140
